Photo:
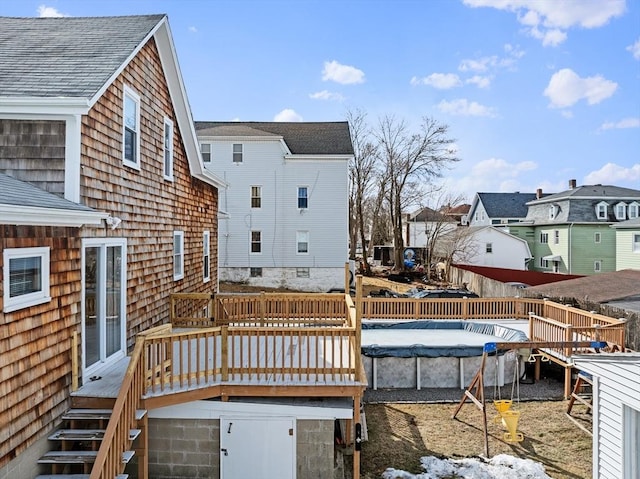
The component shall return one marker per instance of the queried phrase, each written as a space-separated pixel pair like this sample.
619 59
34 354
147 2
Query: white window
131 129
205 151
168 149
601 210
256 197
303 197
634 210
302 273
556 236
237 152
256 242
26 277
489 248
206 256
621 211
544 238
178 255
482 216
544 263
302 242
597 237
255 272
597 266
636 243
553 211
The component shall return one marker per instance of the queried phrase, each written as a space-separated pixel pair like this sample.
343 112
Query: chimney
538 193
572 184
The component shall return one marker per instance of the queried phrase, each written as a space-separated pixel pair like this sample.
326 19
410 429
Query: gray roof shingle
70 57
302 138
19 193
506 205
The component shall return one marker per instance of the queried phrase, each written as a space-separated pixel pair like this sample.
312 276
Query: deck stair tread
77 435
75 476
140 414
88 414
77 457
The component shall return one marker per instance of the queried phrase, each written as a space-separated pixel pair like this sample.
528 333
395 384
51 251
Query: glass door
104 301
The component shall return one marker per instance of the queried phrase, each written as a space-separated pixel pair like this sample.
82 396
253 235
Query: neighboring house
569 232
286 209
616 413
500 209
491 246
423 230
627 244
459 213
105 208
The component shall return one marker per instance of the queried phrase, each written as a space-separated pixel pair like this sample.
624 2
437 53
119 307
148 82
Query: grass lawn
400 434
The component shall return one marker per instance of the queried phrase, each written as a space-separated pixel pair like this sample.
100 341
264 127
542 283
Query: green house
627 244
574 232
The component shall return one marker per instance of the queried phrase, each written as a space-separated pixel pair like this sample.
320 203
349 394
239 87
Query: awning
552 257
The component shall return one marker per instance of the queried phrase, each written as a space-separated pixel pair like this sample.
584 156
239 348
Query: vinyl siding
584 249
617 384
626 258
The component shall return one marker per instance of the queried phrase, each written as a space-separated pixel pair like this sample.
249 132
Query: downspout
569 255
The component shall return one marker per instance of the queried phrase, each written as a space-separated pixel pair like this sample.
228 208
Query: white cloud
566 88
548 20
44 11
479 81
287 115
343 74
479 65
463 107
499 168
635 49
624 123
441 81
612 174
193 29
326 95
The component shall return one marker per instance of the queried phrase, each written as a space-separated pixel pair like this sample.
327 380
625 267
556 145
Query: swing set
508 416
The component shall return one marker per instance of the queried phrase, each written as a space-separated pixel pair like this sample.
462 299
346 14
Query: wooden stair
75 447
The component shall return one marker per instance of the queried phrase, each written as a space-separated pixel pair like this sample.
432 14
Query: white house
616 413
500 209
494 247
286 206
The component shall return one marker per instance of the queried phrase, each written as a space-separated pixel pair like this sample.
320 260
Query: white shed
616 413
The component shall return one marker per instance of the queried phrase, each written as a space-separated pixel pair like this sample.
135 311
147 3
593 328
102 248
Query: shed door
259 448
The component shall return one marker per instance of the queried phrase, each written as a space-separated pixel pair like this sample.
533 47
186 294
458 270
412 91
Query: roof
505 205
23 203
598 288
591 192
428 214
70 57
628 224
302 138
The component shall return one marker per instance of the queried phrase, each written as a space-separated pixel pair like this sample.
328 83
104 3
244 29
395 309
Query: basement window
26 273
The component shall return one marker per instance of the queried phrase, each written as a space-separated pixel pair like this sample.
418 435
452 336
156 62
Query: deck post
356 448
142 451
224 354
347 277
358 332
74 361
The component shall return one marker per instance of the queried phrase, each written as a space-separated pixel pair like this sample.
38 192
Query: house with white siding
499 209
285 220
628 242
494 247
616 413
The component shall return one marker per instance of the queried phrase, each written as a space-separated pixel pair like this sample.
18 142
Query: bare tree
362 171
457 245
411 160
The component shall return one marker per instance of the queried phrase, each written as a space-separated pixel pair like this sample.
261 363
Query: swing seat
510 421
502 405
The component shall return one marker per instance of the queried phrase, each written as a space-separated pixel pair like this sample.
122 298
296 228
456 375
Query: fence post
74 361
224 354
172 307
358 325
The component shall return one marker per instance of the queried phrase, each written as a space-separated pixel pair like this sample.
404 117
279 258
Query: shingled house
105 208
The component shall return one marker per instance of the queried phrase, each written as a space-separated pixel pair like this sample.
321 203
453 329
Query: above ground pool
425 354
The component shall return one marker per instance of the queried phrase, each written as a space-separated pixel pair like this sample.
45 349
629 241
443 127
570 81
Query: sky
534 92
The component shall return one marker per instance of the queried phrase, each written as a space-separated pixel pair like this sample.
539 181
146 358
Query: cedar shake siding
34 384
150 207
33 151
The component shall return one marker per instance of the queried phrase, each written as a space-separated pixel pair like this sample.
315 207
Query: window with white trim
488 247
303 273
601 210
544 238
26 277
131 128
634 210
556 236
635 247
205 151
237 153
597 265
256 242
544 263
168 149
206 256
255 272
302 242
621 211
178 255
553 211
256 197
597 237
303 197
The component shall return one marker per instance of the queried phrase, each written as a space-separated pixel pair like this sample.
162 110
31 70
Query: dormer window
621 211
601 210
634 210
553 211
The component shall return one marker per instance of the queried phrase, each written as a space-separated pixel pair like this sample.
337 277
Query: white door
257 448
104 301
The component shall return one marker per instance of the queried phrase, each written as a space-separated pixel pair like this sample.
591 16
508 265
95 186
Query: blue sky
535 92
